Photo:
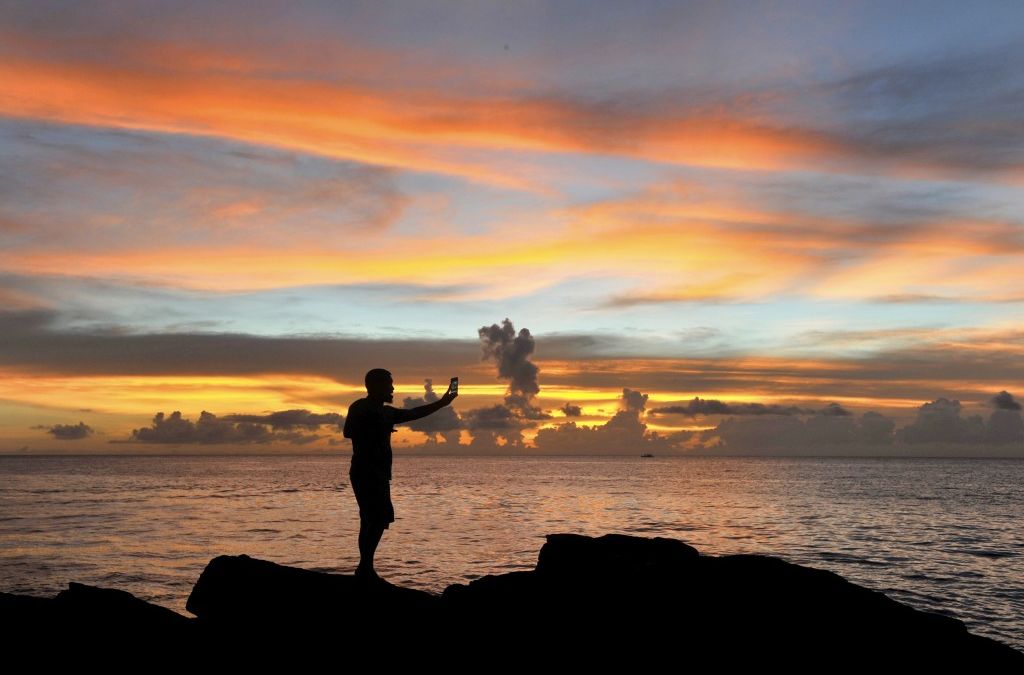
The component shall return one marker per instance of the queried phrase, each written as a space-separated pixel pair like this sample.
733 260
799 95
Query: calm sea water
941 535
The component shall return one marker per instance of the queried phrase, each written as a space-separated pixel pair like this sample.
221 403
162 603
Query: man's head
380 385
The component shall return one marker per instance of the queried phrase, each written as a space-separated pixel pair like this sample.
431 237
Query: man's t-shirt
370 427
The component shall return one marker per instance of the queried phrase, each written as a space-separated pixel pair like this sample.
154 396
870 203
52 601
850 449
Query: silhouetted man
369 424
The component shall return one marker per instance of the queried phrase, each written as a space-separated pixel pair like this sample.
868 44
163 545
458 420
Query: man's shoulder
355 418
357 405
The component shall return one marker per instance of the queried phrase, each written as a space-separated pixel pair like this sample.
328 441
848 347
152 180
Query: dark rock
660 596
614 599
239 592
25 612
568 555
89 617
91 607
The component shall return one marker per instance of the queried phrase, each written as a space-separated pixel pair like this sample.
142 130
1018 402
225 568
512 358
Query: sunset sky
808 216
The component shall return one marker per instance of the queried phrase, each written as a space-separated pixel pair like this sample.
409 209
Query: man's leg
369 537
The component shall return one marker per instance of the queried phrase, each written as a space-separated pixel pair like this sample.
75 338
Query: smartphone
453 386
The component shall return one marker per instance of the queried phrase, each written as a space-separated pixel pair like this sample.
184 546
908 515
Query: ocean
942 535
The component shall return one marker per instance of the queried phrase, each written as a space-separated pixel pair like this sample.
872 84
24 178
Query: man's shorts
374 498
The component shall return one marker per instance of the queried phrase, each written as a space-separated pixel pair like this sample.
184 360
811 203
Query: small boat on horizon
646 454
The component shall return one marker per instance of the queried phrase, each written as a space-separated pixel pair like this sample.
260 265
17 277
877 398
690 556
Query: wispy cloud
436 130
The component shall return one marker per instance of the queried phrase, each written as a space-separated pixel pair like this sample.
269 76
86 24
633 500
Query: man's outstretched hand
449 396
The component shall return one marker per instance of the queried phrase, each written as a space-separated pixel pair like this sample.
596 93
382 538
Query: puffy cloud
569 438
289 419
877 429
939 426
831 429
498 416
68 432
834 410
699 406
743 433
633 401
940 422
512 354
209 429
498 428
446 440
1004 401
1004 424
443 420
570 410
624 433
492 442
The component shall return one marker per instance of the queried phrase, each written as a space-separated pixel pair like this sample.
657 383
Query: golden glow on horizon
656 255
116 405
147 394
668 429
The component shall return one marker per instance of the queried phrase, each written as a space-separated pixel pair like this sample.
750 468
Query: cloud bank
938 427
68 432
233 429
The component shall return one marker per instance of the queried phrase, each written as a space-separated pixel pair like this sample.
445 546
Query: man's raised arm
410 414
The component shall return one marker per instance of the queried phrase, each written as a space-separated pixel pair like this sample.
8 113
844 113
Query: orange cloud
418 130
760 251
672 247
319 119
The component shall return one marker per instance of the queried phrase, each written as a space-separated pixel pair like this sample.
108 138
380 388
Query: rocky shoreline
588 598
